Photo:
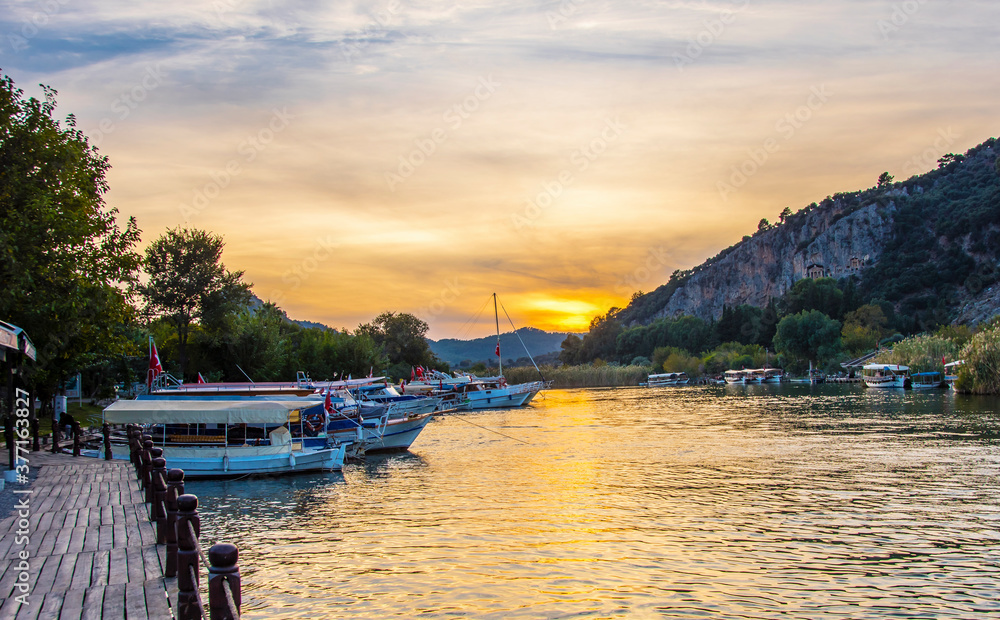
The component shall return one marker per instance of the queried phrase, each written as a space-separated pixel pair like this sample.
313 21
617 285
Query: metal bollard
223 557
106 431
175 488
158 511
187 559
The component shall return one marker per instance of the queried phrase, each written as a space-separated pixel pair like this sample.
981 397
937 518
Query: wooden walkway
91 549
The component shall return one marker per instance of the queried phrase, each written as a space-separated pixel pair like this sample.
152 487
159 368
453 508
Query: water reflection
732 501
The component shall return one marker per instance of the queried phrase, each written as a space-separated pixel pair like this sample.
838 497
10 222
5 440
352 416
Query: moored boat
735 376
886 375
927 381
196 436
667 379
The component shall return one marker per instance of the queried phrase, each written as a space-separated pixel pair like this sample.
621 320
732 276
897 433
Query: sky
418 156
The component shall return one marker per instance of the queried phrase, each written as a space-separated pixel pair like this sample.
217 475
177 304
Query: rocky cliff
932 228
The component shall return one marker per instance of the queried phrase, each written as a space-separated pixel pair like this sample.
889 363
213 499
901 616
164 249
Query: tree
785 214
821 294
763 224
884 180
402 337
863 329
808 335
570 350
65 263
188 283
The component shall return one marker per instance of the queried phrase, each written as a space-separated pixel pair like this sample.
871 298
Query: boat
816 376
667 379
886 375
770 375
927 381
735 376
951 372
383 434
211 438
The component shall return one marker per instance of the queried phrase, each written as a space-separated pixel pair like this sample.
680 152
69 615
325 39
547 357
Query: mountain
538 342
928 245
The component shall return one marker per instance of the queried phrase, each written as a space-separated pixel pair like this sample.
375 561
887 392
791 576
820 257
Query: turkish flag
201 379
327 405
498 349
155 368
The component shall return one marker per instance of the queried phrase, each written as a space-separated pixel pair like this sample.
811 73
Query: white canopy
199 412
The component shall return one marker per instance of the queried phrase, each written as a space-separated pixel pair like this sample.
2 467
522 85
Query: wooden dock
90 547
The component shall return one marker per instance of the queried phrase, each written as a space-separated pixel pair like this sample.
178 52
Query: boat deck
91 550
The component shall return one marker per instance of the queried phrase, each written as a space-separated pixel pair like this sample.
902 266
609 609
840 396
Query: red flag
412 375
155 368
498 348
201 379
942 360
327 404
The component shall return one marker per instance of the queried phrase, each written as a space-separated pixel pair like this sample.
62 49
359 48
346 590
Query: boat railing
178 527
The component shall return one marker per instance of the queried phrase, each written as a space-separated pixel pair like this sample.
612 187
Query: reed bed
585 375
921 353
981 372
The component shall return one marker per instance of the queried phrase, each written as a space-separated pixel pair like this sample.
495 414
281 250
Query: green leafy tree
402 338
65 263
808 335
821 294
863 329
188 283
884 180
570 349
785 214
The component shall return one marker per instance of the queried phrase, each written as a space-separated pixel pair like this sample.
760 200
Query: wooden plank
93 603
151 563
99 574
30 610
157 605
72 606
64 575
114 602
81 573
51 606
135 602
118 566
47 576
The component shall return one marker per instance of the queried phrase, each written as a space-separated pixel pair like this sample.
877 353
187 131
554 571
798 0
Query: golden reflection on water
729 501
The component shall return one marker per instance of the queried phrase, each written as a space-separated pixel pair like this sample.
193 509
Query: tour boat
735 376
667 379
196 436
886 375
927 381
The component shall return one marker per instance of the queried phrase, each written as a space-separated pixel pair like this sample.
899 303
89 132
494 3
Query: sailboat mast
496 315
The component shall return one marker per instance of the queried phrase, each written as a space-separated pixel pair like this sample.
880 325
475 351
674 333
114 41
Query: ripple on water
736 502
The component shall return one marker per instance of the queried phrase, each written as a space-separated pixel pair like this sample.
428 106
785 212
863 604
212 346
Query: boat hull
237 461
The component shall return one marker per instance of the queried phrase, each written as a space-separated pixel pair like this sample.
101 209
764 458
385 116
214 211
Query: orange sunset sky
418 156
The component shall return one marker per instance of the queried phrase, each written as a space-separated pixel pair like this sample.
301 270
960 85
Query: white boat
667 379
736 376
771 375
195 436
384 434
886 375
927 381
951 372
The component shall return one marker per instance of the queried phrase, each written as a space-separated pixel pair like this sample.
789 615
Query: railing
178 526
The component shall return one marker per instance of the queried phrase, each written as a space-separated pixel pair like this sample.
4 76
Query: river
785 501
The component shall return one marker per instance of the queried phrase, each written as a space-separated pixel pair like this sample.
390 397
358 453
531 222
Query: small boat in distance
886 375
667 379
927 381
951 372
736 376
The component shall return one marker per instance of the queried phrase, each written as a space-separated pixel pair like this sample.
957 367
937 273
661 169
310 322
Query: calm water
783 501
